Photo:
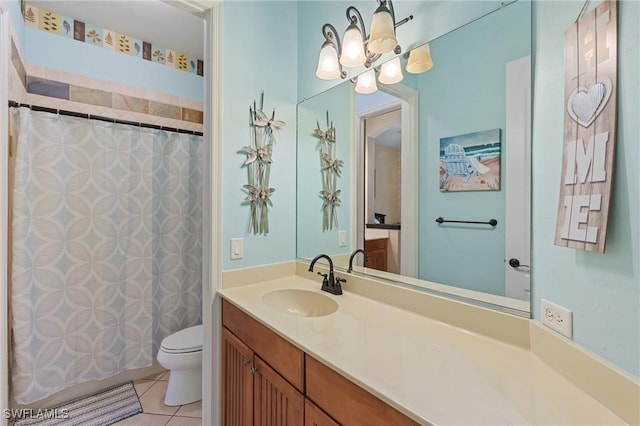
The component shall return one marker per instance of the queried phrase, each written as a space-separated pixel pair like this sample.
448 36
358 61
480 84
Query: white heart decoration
584 105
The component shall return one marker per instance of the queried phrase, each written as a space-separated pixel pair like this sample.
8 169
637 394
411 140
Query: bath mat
104 408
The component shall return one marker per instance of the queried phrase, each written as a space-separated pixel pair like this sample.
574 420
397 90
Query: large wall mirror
433 176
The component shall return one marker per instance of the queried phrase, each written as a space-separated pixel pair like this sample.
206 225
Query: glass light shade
420 60
391 72
366 82
328 67
383 33
352 48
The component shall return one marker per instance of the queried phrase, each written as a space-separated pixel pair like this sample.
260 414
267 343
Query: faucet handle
325 279
340 280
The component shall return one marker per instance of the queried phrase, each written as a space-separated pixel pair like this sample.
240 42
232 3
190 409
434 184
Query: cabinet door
275 401
377 253
237 381
313 416
285 358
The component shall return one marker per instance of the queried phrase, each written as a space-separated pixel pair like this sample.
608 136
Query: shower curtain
107 248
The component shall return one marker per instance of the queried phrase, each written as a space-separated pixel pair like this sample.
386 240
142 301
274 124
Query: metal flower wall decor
258 163
330 169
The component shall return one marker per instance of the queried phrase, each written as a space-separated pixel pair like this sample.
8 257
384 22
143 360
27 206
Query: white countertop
433 372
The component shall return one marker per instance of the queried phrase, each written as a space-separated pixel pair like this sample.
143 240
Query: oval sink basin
302 303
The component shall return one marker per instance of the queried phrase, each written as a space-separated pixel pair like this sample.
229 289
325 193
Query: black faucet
366 258
330 283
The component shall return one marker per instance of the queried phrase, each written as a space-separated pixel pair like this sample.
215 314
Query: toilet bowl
181 353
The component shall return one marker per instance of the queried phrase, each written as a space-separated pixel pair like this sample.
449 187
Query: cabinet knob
254 370
245 361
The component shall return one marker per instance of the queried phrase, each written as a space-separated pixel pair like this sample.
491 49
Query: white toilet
181 353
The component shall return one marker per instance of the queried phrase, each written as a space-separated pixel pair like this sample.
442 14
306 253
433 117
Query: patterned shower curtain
107 248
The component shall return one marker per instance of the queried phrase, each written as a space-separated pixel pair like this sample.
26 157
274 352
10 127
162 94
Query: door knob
515 263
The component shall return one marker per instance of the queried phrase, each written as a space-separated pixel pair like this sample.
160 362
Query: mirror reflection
450 143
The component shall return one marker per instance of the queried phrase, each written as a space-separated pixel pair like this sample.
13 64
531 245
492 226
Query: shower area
105 247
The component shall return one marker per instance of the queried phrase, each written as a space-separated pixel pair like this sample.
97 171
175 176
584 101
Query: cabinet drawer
346 402
284 357
313 416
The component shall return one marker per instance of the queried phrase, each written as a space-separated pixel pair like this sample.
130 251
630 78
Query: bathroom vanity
266 378
398 362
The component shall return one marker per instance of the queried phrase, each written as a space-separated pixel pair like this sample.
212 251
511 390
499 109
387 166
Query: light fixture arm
354 17
389 3
330 34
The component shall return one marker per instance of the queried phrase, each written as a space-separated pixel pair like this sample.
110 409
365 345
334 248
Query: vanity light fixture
328 66
359 49
420 59
391 72
366 82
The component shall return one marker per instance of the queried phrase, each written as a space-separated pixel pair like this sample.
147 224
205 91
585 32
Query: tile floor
151 392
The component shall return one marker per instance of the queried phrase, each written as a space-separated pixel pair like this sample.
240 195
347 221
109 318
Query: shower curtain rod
101 118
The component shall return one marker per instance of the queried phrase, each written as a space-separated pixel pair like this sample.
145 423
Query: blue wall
259 55
602 290
60 53
464 93
312 240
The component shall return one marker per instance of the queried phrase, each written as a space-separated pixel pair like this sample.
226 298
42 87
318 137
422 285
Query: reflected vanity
480 82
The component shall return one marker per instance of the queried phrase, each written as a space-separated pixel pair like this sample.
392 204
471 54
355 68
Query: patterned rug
104 408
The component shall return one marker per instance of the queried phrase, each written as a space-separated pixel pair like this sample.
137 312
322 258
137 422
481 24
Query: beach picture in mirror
470 162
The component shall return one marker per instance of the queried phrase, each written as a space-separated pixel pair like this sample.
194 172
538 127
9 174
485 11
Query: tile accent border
56 89
54 23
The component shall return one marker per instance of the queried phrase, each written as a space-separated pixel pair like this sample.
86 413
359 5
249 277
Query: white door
518 179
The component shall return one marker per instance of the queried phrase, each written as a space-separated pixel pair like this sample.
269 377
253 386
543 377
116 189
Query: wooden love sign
590 57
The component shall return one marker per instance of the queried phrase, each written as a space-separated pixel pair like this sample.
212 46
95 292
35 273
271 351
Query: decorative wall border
56 89
70 28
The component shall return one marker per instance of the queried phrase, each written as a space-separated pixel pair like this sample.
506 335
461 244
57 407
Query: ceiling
391 137
168 25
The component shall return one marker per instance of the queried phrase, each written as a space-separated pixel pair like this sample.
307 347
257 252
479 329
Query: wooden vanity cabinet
347 402
253 392
314 416
237 381
267 381
377 253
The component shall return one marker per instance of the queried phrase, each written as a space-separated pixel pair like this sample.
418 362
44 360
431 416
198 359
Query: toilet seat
184 341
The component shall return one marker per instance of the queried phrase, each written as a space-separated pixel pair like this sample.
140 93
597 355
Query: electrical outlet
557 317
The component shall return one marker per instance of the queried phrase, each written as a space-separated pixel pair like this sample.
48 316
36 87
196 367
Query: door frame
408 102
517 281
4 209
212 208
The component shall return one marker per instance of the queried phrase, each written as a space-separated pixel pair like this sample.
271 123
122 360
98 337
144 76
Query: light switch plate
237 248
342 238
557 317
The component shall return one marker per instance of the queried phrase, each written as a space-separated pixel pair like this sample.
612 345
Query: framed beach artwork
471 162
